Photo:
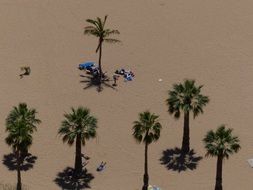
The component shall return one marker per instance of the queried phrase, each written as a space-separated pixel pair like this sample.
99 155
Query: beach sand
209 41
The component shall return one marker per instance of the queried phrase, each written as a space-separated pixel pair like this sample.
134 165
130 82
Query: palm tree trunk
145 177
19 185
78 158
186 136
218 184
99 60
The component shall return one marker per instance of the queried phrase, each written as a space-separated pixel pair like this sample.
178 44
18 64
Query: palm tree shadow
66 179
175 160
94 82
27 162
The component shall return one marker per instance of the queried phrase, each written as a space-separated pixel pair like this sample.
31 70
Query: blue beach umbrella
86 65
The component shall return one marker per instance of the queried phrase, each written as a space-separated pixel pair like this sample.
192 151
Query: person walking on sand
115 78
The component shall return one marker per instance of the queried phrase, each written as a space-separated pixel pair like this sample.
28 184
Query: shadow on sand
94 82
27 161
175 160
66 179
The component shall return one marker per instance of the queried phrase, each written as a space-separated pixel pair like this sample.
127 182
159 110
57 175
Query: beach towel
250 161
150 187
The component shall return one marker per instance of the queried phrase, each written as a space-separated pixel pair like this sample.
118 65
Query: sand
209 41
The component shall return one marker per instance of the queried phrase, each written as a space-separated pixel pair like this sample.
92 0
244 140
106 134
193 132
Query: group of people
93 69
100 168
128 75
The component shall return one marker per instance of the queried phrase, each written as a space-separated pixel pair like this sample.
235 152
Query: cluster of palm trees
186 97
79 125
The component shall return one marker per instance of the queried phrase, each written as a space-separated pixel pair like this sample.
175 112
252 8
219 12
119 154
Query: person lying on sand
101 167
27 71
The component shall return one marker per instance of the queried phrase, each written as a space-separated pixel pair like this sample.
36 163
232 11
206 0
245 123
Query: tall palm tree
97 29
78 126
221 144
20 124
146 130
185 98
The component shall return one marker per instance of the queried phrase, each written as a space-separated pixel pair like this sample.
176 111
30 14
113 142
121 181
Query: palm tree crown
97 29
79 122
221 142
186 97
21 123
147 129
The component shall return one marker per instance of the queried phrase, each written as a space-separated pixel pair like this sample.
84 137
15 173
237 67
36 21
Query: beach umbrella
86 65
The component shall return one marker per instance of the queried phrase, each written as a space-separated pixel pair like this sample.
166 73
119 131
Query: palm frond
100 24
91 32
110 40
109 32
94 22
105 20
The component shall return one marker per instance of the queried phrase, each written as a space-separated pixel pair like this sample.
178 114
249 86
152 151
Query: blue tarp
86 65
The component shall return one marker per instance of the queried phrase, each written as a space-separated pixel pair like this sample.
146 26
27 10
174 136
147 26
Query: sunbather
101 167
27 71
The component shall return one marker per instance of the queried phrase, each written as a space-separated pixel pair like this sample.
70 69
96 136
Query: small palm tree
78 126
20 124
146 130
97 29
221 144
185 98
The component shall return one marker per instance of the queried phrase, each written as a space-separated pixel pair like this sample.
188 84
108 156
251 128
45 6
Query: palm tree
185 98
97 29
222 144
146 130
78 126
20 124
